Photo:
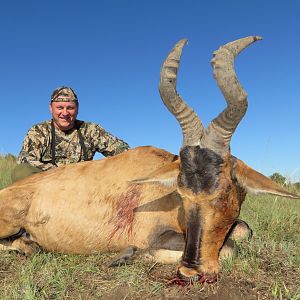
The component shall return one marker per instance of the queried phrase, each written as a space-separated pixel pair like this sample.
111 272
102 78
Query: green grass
272 256
267 267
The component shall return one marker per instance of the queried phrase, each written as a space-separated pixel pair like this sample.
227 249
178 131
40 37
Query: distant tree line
282 180
277 177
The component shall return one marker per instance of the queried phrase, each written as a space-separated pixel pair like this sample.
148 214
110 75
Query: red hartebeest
147 197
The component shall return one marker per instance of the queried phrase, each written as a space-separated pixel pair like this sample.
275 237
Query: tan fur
166 256
132 198
79 208
187 272
166 175
92 206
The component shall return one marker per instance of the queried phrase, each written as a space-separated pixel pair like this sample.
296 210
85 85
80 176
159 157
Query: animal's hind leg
11 239
25 246
21 244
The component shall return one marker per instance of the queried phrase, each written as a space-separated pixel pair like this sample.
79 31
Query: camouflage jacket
36 148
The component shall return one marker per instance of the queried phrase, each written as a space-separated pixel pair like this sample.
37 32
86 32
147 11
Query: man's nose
65 111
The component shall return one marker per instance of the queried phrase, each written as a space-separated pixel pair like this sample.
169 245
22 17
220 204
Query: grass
7 163
267 267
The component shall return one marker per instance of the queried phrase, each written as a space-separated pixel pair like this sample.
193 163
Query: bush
7 164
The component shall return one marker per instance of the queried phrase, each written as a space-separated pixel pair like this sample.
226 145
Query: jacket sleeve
106 143
32 148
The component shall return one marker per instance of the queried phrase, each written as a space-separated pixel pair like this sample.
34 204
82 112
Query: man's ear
50 108
166 175
77 104
255 182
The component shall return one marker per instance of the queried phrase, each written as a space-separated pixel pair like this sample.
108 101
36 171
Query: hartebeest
147 197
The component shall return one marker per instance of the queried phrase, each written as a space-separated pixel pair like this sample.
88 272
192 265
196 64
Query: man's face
64 114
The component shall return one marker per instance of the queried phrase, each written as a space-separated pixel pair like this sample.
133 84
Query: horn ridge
192 128
221 129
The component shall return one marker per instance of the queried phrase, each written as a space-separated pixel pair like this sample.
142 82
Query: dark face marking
200 168
191 255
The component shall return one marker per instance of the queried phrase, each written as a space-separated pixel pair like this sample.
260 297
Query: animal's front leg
165 247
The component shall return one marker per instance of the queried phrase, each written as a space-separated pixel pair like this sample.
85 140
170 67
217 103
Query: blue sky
111 52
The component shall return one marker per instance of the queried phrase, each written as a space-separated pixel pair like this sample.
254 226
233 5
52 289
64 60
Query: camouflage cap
64 94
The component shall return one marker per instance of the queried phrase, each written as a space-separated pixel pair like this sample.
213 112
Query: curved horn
221 129
192 128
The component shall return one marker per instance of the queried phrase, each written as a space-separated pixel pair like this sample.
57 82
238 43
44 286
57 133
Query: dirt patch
88 277
226 288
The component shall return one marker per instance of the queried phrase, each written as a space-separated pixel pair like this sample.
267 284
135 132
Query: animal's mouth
183 280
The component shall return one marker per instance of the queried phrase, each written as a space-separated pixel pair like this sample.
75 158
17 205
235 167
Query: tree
277 177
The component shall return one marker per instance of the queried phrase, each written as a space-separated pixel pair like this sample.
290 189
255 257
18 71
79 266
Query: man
64 139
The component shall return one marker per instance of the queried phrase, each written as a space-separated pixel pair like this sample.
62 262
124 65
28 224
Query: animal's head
211 182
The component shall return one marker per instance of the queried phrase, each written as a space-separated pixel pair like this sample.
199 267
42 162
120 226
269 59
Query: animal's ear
166 175
255 182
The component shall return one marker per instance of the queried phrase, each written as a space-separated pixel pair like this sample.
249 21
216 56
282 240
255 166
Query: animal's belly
75 231
94 231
